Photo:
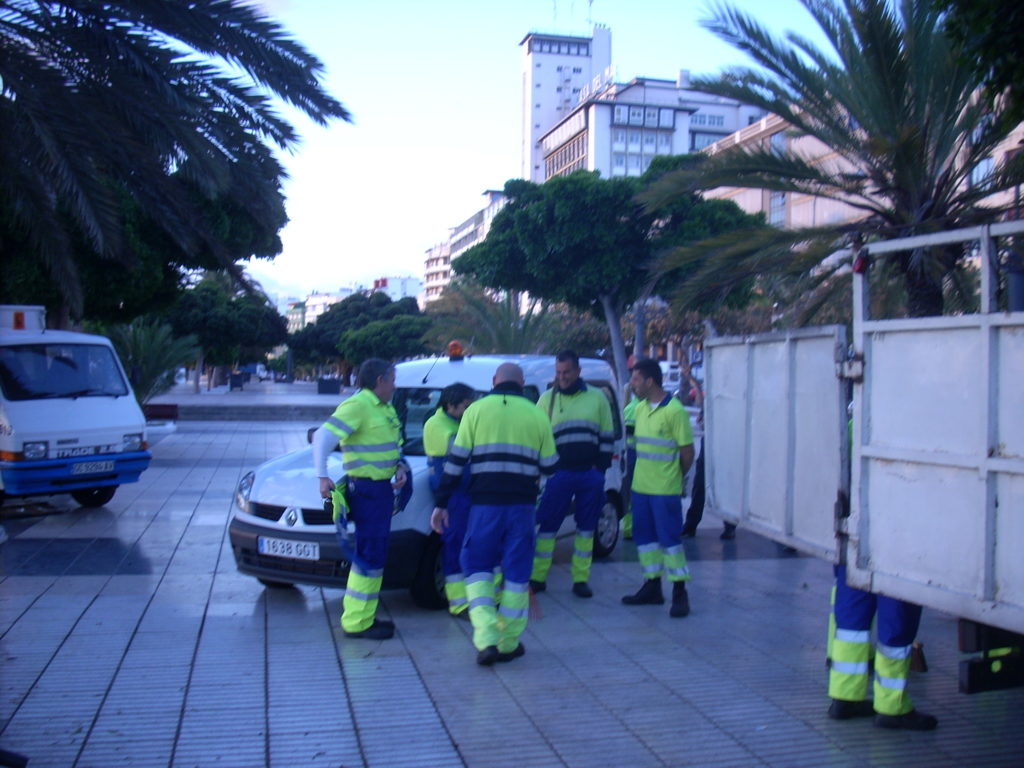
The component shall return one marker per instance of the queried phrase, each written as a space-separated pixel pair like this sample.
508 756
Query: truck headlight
243 491
131 443
35 450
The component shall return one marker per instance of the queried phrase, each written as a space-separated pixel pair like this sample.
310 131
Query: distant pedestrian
438 436
507 444
664 452
581 419
369 431
691 393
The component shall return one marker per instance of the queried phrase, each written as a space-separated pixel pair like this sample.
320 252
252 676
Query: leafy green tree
392 339
343 334
588 243
896 106
227 325
990 34
151 355
165 103
577 239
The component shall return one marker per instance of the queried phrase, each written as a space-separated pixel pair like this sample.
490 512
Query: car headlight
243 490
131 442
35 450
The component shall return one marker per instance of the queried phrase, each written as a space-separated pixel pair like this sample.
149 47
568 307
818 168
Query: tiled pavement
129 639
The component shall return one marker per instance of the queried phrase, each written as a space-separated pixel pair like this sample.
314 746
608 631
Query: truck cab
69 422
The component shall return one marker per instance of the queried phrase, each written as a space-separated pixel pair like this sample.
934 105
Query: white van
281 534
69 422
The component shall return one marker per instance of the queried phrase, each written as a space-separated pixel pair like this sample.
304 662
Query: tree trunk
199 371
924 289
611 316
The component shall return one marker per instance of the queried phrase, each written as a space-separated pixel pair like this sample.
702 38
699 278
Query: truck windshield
47 371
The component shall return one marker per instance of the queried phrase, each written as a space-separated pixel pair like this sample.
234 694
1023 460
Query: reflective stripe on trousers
897 623
493 625
455 591
359 605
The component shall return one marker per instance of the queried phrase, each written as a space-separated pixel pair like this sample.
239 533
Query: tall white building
619 128
397 287
438 271
556 70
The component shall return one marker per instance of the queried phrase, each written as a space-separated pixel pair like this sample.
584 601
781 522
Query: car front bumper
405 548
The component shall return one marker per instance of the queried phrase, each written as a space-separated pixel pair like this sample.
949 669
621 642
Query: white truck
921 495
69 422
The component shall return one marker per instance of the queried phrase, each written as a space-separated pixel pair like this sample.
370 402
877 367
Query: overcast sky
434 89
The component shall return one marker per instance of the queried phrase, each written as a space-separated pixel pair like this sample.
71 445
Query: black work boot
648 594
841 709
680 600
911 721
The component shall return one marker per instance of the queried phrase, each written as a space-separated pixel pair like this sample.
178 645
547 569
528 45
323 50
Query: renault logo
291 516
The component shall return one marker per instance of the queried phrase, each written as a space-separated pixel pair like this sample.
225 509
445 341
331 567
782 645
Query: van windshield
48 371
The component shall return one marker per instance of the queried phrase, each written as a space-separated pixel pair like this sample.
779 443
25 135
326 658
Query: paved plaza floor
128 638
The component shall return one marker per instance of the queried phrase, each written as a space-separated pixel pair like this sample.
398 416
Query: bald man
507 444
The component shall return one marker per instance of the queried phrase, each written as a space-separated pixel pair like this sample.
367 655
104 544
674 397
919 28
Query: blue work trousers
586 485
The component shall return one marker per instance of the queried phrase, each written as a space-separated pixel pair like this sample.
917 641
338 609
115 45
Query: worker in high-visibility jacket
507 444
438 435
664 452
581 420
629 424
369 431
850 652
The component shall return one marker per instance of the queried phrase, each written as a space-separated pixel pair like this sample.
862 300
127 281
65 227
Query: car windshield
415 405
47 371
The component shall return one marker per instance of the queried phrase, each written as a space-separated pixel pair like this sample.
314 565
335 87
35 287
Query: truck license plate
92 467
300 550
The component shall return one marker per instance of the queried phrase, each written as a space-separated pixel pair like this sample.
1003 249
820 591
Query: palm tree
900 111
488 321
151 354
163 101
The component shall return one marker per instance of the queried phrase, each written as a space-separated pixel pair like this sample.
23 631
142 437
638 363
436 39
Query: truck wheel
94 497
606 536
427 588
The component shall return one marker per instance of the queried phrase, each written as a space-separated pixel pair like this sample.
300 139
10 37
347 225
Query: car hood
291 481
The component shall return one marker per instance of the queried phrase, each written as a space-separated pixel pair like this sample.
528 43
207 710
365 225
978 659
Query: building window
700 140
636 115
664 140
698 119
651 117
717 121
666 118
577 70
620 115
777 208
778 143
634 139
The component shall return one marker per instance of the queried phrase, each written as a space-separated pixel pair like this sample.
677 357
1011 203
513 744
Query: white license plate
92 467
300 550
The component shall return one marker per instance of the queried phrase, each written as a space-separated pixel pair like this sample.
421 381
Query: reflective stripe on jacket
582 424
661 430
507 443
369 433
